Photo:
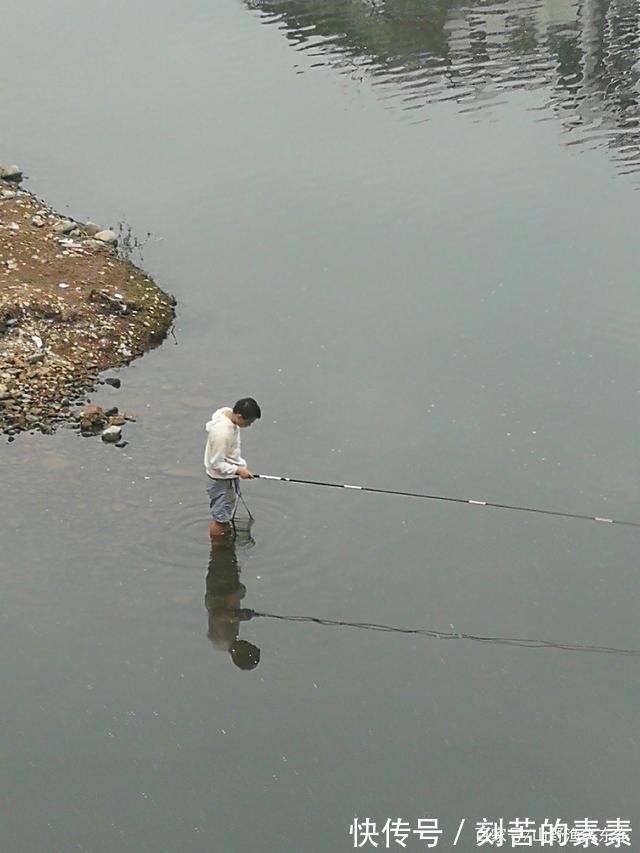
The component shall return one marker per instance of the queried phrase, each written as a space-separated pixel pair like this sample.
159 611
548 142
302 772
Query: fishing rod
444 498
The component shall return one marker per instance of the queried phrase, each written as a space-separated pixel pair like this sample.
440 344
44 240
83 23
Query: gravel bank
70 308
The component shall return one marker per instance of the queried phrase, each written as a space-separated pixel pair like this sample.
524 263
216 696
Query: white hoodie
222 453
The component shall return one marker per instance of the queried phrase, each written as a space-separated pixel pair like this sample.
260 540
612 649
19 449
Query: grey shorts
222 498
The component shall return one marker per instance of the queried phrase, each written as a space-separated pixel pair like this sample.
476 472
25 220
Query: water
409 230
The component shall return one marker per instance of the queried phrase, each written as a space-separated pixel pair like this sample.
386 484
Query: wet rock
113 381
92 410
107 236
10 173
92 419
112 434
122 444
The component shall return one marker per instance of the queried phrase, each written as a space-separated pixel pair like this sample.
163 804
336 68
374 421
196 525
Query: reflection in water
455 635
224 592
584 54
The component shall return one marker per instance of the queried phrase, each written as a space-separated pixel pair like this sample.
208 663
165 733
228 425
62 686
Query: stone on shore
65 226
107 236
11 173
112 434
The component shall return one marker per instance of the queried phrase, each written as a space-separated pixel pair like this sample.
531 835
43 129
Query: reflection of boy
222 600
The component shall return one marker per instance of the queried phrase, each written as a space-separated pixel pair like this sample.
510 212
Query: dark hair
248 409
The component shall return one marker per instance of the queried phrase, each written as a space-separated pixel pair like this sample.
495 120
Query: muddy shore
71 307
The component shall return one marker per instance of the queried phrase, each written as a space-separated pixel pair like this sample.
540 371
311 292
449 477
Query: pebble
66 226
112 434
38 221
107 236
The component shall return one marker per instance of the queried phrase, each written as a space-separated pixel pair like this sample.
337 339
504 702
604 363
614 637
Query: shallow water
409 230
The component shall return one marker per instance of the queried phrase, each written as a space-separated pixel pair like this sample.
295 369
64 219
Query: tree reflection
584 54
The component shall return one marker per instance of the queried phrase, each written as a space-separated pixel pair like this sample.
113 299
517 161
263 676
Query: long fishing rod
444 498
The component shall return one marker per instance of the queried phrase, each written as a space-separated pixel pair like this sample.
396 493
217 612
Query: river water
409 229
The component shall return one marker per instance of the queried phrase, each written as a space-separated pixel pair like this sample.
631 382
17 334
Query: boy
223 462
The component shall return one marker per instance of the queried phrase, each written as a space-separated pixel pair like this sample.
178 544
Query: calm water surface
409 229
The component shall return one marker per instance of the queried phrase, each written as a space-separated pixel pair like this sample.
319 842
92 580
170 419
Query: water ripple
171 533
582 55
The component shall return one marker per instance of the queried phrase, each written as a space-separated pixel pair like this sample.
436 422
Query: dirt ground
70 307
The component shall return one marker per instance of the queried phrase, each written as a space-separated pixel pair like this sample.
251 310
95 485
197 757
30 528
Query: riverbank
70 308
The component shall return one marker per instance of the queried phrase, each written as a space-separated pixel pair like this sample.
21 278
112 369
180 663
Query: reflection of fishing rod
447 635
556 513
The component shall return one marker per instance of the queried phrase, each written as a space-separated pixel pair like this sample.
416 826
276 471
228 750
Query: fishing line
445 499
454 635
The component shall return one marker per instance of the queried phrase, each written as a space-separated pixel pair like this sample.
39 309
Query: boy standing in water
223 462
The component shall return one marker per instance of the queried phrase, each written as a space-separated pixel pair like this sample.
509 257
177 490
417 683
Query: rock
92 243
91 229
117 421
112 434
122 444
65 226
112 412
112 380
38 221
91 410
10 173
8 194
107 236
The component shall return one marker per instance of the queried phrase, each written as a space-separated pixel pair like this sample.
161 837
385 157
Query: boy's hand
244 473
